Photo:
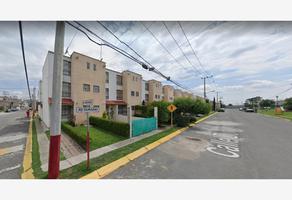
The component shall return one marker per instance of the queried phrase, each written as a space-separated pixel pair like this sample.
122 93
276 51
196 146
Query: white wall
112 85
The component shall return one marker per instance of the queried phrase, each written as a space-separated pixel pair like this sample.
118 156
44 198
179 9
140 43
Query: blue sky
246 58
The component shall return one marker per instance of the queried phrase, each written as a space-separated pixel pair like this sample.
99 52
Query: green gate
141 126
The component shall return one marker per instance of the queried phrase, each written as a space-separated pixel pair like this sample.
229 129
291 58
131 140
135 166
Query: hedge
76 135
115 127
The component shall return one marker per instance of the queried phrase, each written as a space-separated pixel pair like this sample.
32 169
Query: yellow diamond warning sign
171 108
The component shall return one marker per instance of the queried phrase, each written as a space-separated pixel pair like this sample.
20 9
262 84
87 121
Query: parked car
221 110
249 110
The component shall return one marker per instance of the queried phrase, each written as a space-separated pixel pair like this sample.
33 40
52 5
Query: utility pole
204 78
217 102
55 111
34 101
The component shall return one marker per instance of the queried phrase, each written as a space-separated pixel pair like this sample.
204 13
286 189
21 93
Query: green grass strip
80 170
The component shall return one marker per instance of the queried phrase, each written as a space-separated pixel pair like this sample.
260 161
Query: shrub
119 128
77 136
182 121
288 104
163 113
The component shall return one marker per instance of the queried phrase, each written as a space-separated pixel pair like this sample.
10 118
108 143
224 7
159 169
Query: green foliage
288 104
267 103
105 115
182 121
163 113
97 137
192 106
118 128
143 111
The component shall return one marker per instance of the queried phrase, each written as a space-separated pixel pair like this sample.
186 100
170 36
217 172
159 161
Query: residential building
178 93
168 93
87 78
155 90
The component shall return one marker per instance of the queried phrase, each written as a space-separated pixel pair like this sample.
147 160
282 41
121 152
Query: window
67 112
96 89
86 87
147 86
66 89
132 93
119 94
137 94
119 80
133 78
158 96
94 67
122 109
106 93
88 65
146 97
66 68
155 96
106 77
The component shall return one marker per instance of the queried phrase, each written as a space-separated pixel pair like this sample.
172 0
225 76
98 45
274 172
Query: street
13 132
228 145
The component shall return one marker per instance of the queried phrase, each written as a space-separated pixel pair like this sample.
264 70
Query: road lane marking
11 138
11 149
9 168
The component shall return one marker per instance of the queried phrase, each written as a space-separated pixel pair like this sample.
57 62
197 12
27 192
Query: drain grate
193 138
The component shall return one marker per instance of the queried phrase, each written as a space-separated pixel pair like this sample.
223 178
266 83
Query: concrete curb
109 168
27 159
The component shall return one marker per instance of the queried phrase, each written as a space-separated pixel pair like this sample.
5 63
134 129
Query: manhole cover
193 138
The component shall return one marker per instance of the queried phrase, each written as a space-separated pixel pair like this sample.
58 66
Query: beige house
87 83
155 90
177 93
132 88
168 93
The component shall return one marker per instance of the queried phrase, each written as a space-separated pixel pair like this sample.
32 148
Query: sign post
171 108
87 108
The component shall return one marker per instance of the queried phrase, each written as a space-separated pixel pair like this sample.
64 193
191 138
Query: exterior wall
177 93
168 93
144 91
112 84
46 88
155 90
132 82
81 75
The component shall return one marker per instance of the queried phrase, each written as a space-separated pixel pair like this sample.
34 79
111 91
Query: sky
246 59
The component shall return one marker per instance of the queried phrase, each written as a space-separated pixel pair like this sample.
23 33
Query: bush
77 136
288 104
118 128
182 121
163 113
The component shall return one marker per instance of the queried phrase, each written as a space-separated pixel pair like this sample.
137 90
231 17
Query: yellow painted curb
3 152
136 154
107 169
27 159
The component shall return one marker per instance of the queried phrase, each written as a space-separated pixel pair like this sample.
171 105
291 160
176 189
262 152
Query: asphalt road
230 145
13 132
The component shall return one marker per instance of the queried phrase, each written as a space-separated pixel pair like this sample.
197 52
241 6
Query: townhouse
87 78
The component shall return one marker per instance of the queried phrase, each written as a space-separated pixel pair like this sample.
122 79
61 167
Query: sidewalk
68 146
70 162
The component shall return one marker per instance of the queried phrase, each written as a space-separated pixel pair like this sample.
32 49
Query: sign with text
87 109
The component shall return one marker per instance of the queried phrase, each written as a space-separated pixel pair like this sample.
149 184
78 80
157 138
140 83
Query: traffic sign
171 108
87 109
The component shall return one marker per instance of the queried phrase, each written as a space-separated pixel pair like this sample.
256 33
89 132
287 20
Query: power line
126 54
200 64
145 29
23 56
66 51
180 48
158 41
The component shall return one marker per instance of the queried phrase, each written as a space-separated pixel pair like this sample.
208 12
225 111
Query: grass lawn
36 162
98 137
62 157
271 112
80 170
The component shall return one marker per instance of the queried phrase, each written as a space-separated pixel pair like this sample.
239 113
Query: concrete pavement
13 132
228 145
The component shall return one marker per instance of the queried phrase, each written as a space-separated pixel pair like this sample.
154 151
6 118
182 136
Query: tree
267 103
163 113
288 104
